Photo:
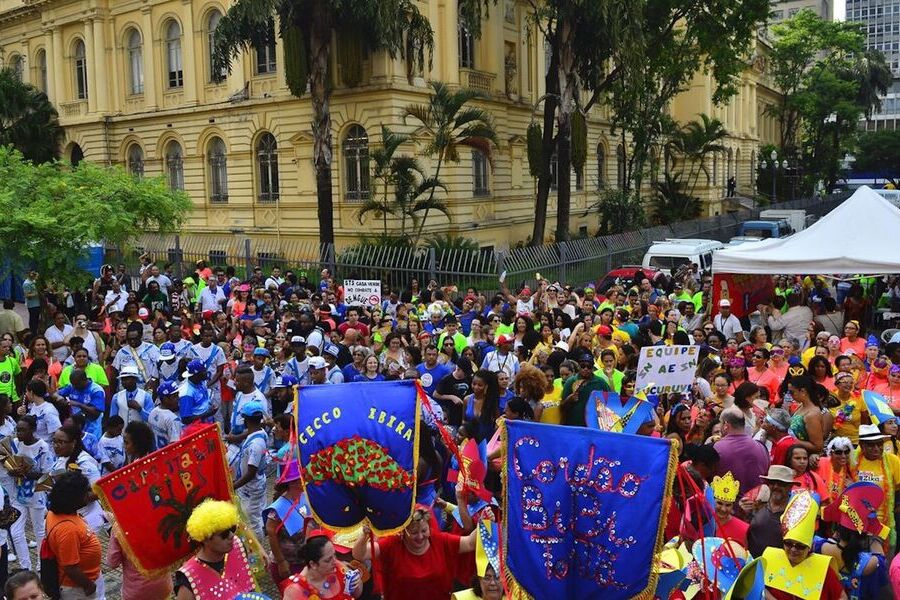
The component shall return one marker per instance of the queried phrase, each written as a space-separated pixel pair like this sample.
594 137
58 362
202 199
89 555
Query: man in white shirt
275 280
212 297
161 278
727 323
164 419
115 299
502 359
56 334
792 324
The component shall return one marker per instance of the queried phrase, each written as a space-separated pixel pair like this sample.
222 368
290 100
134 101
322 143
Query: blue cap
167 388
332 349
167 351
261 352
286 381
193 368
253 409
794 360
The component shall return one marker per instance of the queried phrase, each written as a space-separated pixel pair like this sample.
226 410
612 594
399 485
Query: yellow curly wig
210 518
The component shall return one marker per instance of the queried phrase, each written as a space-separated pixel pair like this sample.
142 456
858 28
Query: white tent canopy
861 235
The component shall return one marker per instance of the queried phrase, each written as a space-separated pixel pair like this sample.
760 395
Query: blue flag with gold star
584 510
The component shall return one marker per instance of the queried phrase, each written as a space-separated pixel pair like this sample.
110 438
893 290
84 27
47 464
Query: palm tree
381 159
451 125
28 121
671 203
697 141
308 29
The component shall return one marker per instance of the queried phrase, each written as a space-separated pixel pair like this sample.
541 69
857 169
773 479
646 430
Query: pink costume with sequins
208 584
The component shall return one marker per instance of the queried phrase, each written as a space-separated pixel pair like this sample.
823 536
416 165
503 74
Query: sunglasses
794 545
842 452
227 533
758 356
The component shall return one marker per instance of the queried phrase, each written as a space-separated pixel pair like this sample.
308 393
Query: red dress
406 576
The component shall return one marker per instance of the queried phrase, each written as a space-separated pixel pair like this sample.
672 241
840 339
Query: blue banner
584 510
358 452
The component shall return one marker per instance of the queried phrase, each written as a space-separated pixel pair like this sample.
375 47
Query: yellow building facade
133 83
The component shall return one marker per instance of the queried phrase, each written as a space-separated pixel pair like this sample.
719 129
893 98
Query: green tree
52 213
829 81
308 29
696 142
451 123
878 152
28 121
619 211
672 202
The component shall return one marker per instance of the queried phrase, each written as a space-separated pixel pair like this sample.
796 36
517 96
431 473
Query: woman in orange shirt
835 469
71 541
797 458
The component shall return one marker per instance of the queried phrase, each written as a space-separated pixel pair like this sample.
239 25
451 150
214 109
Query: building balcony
477 80
78 108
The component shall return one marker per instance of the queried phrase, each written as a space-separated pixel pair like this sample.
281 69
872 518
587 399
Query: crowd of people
123 367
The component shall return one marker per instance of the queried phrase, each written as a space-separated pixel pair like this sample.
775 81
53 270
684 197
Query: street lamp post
774 157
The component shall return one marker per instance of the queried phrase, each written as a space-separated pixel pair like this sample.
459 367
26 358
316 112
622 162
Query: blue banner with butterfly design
584 510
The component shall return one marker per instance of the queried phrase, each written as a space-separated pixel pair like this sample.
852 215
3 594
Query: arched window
136 161
174 166
620 167
41 78
212 22
17 66
218 170
601 167
265 54
76 155
466 45
356 159
174 64
135 62
267 164
481 174
81 84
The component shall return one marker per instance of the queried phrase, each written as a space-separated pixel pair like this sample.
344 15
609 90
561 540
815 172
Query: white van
672 253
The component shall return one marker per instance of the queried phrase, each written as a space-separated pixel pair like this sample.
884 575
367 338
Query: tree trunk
320 93
566 72
551 82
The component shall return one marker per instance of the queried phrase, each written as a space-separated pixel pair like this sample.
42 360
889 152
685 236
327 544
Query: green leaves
52 213
879 153
28 121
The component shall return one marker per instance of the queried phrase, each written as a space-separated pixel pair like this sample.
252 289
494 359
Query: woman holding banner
422 561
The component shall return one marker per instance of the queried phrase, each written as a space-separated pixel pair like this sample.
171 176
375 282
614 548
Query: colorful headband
796 371
853 322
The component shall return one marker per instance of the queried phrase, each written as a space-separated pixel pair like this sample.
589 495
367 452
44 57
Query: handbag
9 515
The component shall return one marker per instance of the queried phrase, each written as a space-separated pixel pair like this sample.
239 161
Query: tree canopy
879 153
52 212
28 121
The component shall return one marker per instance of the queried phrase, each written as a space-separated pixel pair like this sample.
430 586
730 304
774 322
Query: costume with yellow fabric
807 579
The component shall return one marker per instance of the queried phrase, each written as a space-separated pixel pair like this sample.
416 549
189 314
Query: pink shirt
134 585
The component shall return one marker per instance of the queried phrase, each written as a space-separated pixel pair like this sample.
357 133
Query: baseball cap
332 350
143 313
253 409
604 330
167 351
259 323
207 315
317 362
285 381
261 352
193 368
167 388
298 340
128 371
724 303
505 339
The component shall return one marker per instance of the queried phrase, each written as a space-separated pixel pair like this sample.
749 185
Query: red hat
857 509
526 291
423 335
143 313
605 330
207 315
505 339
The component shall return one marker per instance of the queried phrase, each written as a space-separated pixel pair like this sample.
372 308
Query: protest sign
667 369
366 292
153 497
358 453
584 510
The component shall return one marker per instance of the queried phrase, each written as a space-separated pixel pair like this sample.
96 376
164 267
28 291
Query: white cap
128 371
724 303
317 362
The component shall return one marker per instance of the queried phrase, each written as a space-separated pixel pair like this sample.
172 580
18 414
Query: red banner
153 497
745 292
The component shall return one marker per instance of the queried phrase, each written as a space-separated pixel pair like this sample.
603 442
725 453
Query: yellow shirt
872 470
551 413
847 418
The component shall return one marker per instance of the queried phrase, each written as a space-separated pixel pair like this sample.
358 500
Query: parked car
623 274
670 254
